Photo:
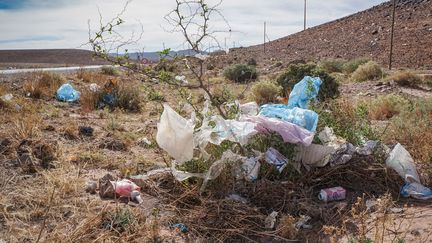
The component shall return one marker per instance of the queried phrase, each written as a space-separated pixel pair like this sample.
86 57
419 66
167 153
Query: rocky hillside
364 34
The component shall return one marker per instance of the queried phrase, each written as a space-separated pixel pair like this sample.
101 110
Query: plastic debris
136 196
94 88
272 156
181 79
327 137
6 97
314 155
251 168
305 118
368 148
67 93
304 92
108 99
302 222
270 220
237 198
125 187
249 109
332 194
144 142
290 132
416 190
175 135
85 131
343 154
182 227
402 162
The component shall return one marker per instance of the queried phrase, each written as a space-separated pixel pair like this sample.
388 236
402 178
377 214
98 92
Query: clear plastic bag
175 135
402 162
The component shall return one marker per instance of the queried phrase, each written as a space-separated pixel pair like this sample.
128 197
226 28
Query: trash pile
294 122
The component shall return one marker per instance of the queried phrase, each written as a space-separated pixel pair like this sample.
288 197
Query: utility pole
264 36
304 15
392 34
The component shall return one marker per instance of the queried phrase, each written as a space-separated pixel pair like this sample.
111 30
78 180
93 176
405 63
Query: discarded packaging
368 148
314 155
237 198
249 109
303 92
416 190
302 222
332 194
67 93
136 196
91 187
251 168
342 155
175 135
182 227
94 88
272 156
85 131
402 162
181 79
270 221
6 97
289 132
125 187
305 118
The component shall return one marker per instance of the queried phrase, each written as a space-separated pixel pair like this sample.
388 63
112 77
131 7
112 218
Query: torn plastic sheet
274 157
175 135
305 118
416 190
402 162
290 132
315 155
249 109
304 91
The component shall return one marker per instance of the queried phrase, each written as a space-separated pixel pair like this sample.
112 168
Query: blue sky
33 24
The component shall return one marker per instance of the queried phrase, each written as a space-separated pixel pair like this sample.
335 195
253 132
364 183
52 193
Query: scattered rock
106 189
91 187
5 146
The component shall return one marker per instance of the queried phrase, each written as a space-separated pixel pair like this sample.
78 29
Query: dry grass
43 85
368 71
25 126
89 100
91 77
385 107
406 78
412 128
265 92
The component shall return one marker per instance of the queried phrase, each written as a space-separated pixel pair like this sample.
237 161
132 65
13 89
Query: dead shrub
89 100
44 85
265 92
128 97
110 70
70 131
406 78
91 76
25 126
412 128
368 71
385 107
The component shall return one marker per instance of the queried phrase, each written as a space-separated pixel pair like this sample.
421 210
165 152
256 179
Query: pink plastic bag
124 187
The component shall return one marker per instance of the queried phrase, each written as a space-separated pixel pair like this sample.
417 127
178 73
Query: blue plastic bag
304 91
416 190
305 118
67 93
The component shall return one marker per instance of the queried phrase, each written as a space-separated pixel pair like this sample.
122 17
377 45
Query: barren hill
364 34
49 56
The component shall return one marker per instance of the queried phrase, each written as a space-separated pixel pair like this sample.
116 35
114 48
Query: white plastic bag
175 135
402 162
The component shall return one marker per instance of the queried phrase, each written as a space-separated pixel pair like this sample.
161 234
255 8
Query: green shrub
265 92
352 65
241 73
368 71
406 78
110 70
296 72
332 65
252 62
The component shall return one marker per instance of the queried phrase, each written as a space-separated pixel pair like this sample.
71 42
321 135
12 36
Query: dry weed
368 71
25 126
406 78
43 85
265 92
385 107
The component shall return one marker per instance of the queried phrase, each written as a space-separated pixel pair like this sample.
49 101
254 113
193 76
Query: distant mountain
154 56
67 57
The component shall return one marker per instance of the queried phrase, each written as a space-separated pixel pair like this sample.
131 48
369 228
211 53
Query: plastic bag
175 135
305 118
416 190
402 162
249 109
304 91
67 93
124 188
290 132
